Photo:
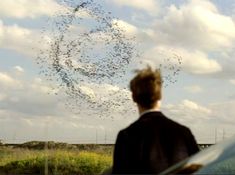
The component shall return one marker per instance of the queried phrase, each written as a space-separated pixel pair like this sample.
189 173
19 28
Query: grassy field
56 161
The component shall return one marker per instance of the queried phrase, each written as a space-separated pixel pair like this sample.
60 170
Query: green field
79 160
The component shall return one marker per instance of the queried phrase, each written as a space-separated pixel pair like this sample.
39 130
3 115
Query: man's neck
156 107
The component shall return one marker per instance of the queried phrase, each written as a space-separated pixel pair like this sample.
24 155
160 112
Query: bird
100 54
71 60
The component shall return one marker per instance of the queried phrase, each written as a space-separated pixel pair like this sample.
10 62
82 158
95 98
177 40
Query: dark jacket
152 144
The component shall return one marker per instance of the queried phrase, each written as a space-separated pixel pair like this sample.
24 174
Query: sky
201 32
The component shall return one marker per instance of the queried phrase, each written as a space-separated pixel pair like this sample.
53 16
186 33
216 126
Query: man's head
146 87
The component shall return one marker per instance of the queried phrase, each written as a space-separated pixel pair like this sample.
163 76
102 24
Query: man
153 142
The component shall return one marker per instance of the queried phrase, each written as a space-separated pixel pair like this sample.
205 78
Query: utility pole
223 134
46 148
105 136
215 135
96 136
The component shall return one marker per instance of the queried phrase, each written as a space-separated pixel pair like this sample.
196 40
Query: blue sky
202 32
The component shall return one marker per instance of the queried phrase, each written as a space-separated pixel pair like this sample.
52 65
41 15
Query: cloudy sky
201 32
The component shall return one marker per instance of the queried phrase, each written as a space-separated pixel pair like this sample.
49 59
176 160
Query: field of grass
54 161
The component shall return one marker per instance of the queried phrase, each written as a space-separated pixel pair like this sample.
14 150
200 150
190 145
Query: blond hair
146 87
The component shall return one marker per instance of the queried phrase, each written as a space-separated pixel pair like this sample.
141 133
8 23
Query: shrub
60 162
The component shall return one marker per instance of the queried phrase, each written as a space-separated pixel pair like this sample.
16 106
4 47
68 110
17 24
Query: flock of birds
170 67
89 49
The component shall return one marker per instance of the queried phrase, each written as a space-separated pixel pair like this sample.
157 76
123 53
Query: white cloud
1 30
224 112
187 112
150 6
107 98
196 31
7 81
87 91
193 61
28 8
197 62
192 115
196 24
84 14
31 42
32 110
26 96
56 128
203 120
34 97
2 97
141 35
227 60
232 82
38 86
194 106
26 115
193 89
19 69
128 28
21 39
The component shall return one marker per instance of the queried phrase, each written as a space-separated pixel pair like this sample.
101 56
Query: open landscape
75 75
54 158
37 157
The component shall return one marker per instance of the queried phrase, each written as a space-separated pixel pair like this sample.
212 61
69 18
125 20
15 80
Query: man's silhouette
153 142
